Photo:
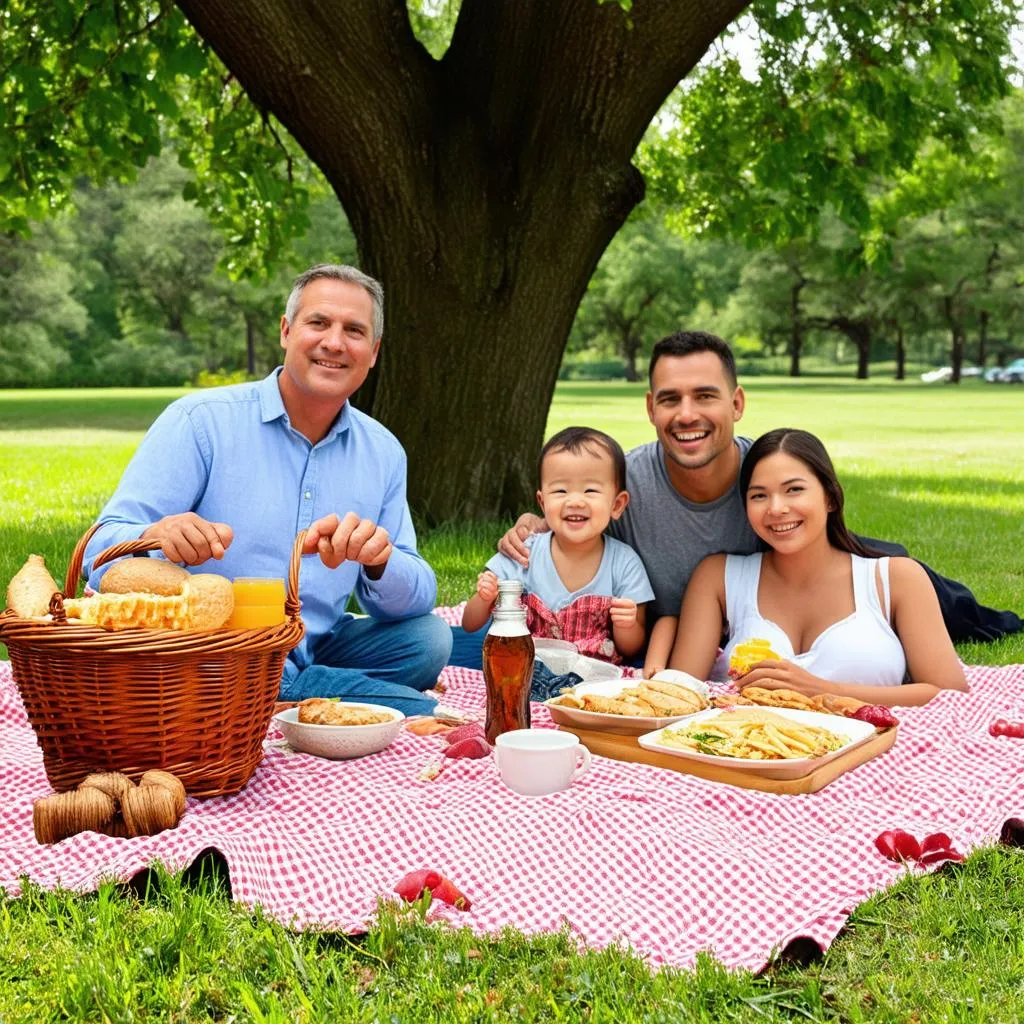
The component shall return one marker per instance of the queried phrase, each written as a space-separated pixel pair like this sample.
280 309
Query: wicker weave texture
193 703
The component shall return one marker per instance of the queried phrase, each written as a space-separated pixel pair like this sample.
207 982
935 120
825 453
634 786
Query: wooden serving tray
626 748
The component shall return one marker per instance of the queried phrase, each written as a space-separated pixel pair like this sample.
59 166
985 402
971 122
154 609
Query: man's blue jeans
386 663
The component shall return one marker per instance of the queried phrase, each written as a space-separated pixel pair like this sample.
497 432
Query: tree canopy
484 178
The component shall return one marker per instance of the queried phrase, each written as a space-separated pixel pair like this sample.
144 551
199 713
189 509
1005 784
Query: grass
936 468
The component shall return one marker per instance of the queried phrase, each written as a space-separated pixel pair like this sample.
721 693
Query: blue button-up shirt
231 456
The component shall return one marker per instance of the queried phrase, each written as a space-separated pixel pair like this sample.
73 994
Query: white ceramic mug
538 761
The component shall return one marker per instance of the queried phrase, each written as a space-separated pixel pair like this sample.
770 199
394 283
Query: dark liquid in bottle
508 672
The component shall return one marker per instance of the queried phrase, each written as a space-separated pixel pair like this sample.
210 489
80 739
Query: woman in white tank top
842 620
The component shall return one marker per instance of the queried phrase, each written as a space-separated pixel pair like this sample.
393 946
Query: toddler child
580 585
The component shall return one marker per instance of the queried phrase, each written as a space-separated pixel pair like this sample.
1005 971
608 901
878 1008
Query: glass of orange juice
258 603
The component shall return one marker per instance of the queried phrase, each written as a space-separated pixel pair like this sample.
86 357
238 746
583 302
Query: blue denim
387 663
467 648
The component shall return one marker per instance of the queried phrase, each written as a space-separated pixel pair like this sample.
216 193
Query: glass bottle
508 663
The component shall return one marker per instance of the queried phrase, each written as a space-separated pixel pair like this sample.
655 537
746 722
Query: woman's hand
783 675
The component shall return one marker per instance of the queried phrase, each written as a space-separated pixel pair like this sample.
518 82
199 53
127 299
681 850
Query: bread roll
144 576
831 704
211 600
30 590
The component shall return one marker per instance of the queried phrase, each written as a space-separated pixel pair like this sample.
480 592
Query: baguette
30 589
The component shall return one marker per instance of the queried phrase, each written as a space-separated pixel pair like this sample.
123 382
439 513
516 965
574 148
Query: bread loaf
30 589
144 576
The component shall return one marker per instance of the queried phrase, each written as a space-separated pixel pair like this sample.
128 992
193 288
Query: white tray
855 732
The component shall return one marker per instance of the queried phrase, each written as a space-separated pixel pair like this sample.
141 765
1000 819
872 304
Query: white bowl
339 742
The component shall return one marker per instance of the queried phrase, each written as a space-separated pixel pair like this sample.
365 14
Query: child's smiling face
579 494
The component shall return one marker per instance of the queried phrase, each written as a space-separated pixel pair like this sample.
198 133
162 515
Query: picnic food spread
111 803
753 735
650 698
324 711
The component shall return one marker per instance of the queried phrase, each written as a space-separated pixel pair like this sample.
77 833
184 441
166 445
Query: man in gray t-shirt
672 534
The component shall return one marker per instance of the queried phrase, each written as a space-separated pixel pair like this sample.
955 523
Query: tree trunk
956 330
481 188
901 354
630 347
796 329
250 344
862 339
983 319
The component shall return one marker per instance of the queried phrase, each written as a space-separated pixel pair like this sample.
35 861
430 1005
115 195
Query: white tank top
862 648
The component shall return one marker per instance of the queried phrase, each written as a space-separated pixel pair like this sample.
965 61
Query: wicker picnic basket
194 703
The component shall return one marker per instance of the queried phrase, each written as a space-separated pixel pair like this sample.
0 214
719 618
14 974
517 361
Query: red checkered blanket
663 862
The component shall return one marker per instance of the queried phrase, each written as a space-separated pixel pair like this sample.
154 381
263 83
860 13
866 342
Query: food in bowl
324 711
339 742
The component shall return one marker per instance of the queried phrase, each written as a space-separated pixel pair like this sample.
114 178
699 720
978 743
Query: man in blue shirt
226 477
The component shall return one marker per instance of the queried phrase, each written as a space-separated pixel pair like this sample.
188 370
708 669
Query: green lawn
937 468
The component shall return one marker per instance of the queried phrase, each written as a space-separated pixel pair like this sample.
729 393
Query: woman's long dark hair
811 452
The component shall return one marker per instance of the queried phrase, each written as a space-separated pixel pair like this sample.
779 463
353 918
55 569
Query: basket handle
138 547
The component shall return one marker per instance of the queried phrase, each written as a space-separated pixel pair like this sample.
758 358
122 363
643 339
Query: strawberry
936 841
473 747
465 732
898 845
876 715
411 887
446 892
414 884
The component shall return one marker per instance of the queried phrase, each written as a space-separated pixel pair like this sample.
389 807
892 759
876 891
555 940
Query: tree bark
630 347
901 354
250 344
983 318
956 330
796 328
482 190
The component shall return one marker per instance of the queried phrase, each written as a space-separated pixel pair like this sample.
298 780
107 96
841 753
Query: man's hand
513 543
187 538
349 540
487 587
783 675
623 612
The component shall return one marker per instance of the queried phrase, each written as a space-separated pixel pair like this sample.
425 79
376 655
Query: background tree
482 183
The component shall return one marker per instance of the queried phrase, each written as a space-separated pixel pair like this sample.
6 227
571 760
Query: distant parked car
1012 374
945 373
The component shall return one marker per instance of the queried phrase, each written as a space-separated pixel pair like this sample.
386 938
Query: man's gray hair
338 272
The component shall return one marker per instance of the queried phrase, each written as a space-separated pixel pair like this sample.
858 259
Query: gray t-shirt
672 535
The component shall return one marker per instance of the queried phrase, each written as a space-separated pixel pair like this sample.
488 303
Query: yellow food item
130 611
322 711
211 600
747 654
144 576
753 735
30 589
